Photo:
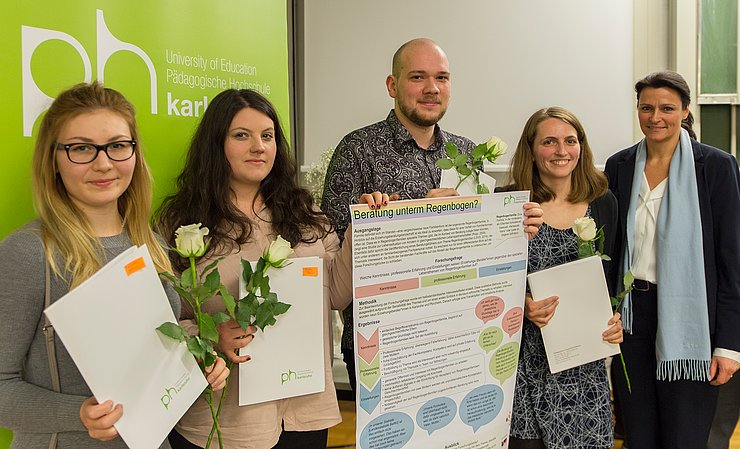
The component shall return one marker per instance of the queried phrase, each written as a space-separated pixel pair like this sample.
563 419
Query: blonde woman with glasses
90 207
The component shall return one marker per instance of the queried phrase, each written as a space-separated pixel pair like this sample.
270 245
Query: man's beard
417 119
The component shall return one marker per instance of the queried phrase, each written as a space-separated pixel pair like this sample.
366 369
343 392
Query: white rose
496 148
189 240
585 228
278 252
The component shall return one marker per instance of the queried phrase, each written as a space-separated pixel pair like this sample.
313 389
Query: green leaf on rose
444 163
461 160
260 268
265 286
200 292
246 271
479 151
209 359
265 315
210 267
257 278
182 292
213 281
220 317
615 302
195 347
169 276
186 278
172 330
629 279
451 150
208 328
246 310
280 308
227 299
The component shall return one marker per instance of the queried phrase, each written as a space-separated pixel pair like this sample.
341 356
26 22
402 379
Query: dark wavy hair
675 82
587 183
204 194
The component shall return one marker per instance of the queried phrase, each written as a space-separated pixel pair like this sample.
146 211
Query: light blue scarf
682 345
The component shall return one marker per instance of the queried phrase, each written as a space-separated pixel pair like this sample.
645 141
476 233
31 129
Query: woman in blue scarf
679 235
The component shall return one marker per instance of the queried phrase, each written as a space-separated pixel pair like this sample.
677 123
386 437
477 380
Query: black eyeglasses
84 153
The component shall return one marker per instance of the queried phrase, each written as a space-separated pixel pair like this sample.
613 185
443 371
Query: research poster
438 301
168 57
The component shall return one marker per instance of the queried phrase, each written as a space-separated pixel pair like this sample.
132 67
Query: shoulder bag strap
50 349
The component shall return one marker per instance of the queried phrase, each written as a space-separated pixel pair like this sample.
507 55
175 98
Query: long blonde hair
65 229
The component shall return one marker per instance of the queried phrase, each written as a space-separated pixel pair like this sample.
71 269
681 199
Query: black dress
570 409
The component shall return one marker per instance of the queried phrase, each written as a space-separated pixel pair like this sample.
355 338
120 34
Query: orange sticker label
310 271
134 266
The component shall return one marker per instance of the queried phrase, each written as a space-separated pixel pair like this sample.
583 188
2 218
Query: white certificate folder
108 325
573 335
288 358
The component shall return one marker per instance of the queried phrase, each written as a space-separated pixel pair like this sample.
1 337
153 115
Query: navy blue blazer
719 205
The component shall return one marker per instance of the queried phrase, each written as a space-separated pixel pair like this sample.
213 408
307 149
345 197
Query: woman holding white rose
569 409
92 193
239 182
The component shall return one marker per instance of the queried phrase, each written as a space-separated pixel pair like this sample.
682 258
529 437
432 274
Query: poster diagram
438 301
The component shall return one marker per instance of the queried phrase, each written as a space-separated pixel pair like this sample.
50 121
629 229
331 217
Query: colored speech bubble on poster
481 406
388 431
489 308
512 320
490 338
436 414
504 360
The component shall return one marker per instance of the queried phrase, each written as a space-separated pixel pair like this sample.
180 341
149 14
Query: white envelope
108 325
288 358
450 178
573 336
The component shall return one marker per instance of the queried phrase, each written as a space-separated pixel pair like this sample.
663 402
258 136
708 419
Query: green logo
166 400
287 376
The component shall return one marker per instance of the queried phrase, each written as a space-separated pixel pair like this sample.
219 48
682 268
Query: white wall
508 58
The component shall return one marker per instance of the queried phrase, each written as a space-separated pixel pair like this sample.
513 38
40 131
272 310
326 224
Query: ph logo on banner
35 101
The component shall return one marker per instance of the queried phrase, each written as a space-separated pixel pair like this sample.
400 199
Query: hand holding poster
438 302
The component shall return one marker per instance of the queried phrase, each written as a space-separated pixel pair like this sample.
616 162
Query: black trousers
659 414
348 355
726 417
313 439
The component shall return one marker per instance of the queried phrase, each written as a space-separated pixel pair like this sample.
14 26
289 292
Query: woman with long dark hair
239 181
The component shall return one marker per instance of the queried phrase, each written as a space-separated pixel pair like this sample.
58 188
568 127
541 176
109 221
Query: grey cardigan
28 406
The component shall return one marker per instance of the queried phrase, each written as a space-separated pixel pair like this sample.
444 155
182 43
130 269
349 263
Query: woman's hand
722 369
376 200
217 374
442 192
231 338
532 219
614 334
540 312
98 419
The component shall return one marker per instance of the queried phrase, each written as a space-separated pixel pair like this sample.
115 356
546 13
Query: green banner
168 57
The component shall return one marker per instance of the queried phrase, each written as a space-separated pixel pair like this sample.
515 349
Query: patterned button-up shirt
381 157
